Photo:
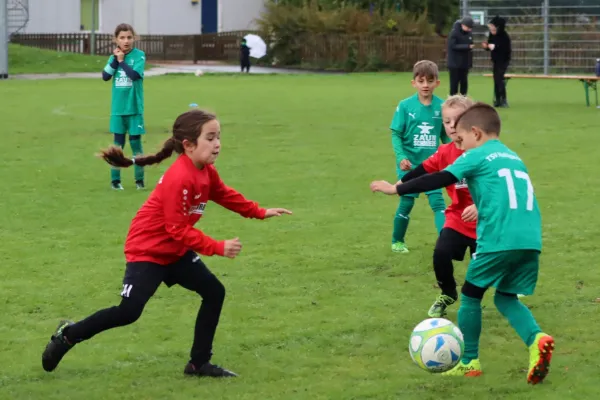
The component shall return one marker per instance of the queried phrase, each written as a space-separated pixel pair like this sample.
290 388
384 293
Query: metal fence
549 36
18 15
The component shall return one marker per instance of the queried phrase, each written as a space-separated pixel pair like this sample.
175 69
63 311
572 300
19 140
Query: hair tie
133 160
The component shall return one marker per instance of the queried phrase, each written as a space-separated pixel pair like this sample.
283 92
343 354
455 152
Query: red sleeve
432 164
176 195
232 200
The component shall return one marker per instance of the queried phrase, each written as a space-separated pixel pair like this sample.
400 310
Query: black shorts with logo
142 279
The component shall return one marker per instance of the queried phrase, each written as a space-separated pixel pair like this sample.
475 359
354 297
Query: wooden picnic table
589 81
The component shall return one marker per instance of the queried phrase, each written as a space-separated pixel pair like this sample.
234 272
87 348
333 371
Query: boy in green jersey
509 236
416 133
126 65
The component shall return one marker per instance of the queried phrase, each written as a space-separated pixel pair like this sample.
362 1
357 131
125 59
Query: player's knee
442 255
406 205
436 202
136 144
473 291
119 139
129 312
501 299
216 294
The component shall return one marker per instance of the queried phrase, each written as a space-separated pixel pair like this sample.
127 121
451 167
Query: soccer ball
199 72
436 345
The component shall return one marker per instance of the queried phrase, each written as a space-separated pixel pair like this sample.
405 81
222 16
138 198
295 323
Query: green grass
30 60
317 306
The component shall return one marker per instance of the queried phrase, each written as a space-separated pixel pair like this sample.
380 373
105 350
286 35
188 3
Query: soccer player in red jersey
458 233
162 242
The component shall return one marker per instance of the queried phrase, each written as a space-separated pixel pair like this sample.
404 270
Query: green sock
439 218
469 322
402 218
437 204
115 173
136 149
519 317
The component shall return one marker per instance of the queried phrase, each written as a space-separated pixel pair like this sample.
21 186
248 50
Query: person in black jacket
499 45
460 45
245 56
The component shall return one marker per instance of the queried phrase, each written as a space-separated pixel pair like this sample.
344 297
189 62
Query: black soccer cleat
208 369
56 348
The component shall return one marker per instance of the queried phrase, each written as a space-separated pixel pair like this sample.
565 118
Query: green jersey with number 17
417 129
128 95
509 216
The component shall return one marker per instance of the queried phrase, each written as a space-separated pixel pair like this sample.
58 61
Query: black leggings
141 281
459 81
450 245
499 84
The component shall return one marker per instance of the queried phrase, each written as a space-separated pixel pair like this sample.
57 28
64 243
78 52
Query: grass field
30 60
317 306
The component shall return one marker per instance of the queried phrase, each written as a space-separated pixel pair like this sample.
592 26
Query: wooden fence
394 52
322 51
220 46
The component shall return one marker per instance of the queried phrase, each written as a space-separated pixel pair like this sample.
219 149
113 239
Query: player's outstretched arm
425 183
232 200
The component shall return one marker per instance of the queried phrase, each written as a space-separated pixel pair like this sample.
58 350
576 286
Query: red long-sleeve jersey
163 228
459 192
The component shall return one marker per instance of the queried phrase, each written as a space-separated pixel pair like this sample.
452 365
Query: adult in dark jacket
460 46
499 45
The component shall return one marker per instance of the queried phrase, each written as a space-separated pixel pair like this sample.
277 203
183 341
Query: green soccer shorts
132 124
512 271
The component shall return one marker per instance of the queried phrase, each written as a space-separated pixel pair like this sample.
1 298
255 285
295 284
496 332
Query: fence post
465 8
3 39
196 48
93 33
546 11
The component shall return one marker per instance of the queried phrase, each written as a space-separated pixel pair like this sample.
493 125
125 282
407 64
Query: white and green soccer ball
436 345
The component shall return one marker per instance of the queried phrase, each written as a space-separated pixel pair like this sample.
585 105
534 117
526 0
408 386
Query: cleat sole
539 372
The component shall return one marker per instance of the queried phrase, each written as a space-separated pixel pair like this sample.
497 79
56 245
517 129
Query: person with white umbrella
252 46
245 56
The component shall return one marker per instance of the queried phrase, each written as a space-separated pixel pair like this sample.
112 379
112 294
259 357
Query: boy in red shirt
458 233
162 242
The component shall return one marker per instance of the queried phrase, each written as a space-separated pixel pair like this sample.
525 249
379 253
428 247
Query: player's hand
471 46
232 248
276 212
484 45
405 165
470 214
119 54
383 187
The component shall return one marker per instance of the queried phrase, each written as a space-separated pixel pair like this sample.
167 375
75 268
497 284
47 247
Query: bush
290 32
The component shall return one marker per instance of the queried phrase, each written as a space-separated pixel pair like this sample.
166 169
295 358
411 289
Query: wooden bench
589 81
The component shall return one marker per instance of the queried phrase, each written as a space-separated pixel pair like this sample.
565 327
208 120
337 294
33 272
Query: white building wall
151 17
115 12
168 18
56 16
236 15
